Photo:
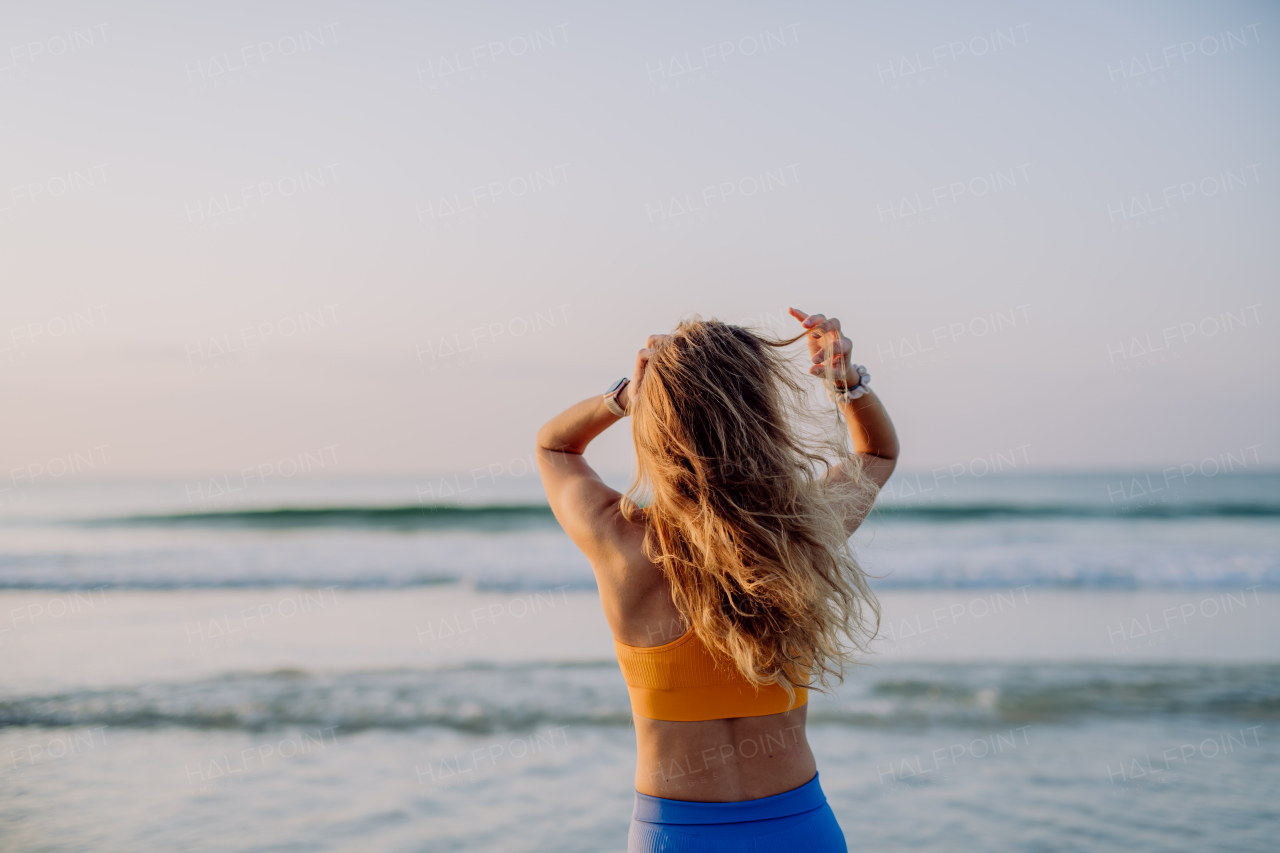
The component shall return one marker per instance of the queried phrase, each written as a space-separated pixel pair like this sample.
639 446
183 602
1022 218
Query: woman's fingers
637 376
820 369
816 322
826 334
840 348
827 344
643 355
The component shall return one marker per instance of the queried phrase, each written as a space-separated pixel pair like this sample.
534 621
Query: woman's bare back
730 760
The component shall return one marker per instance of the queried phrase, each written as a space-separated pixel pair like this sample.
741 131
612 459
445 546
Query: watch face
615 386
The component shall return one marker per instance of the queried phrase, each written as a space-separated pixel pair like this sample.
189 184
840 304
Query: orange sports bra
682 681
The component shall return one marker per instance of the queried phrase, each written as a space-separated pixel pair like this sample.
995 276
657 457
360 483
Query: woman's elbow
548 439
879 468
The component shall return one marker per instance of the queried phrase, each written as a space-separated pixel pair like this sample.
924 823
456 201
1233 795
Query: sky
401 236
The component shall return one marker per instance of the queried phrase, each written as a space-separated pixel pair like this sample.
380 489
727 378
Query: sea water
1084 662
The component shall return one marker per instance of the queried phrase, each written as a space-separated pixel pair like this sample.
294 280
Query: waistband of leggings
807 797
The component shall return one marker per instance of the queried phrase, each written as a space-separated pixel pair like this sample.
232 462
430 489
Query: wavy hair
732 457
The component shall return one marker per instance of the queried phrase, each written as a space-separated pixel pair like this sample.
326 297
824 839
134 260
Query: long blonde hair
749 533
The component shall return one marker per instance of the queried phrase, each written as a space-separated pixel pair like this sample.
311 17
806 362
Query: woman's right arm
586 507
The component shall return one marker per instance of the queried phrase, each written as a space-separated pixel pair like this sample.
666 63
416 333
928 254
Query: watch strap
611 397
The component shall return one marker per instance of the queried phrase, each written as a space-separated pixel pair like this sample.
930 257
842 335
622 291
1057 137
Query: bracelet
849 393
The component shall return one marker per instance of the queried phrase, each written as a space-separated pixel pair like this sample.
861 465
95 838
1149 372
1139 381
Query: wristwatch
611 397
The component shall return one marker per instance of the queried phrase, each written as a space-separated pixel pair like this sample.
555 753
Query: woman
733 590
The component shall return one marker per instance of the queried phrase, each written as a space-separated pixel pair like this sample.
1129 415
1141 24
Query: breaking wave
487 698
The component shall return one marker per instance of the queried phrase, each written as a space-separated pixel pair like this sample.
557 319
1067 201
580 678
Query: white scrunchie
845 395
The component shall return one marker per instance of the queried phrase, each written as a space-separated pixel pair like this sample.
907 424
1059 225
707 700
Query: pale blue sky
291 181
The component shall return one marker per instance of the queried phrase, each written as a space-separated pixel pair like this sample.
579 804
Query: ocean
1066 662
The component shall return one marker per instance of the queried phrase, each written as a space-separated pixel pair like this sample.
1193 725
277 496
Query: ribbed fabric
798 820
652 809
682 681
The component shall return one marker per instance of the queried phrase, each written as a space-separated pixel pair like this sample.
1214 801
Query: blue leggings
797 820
